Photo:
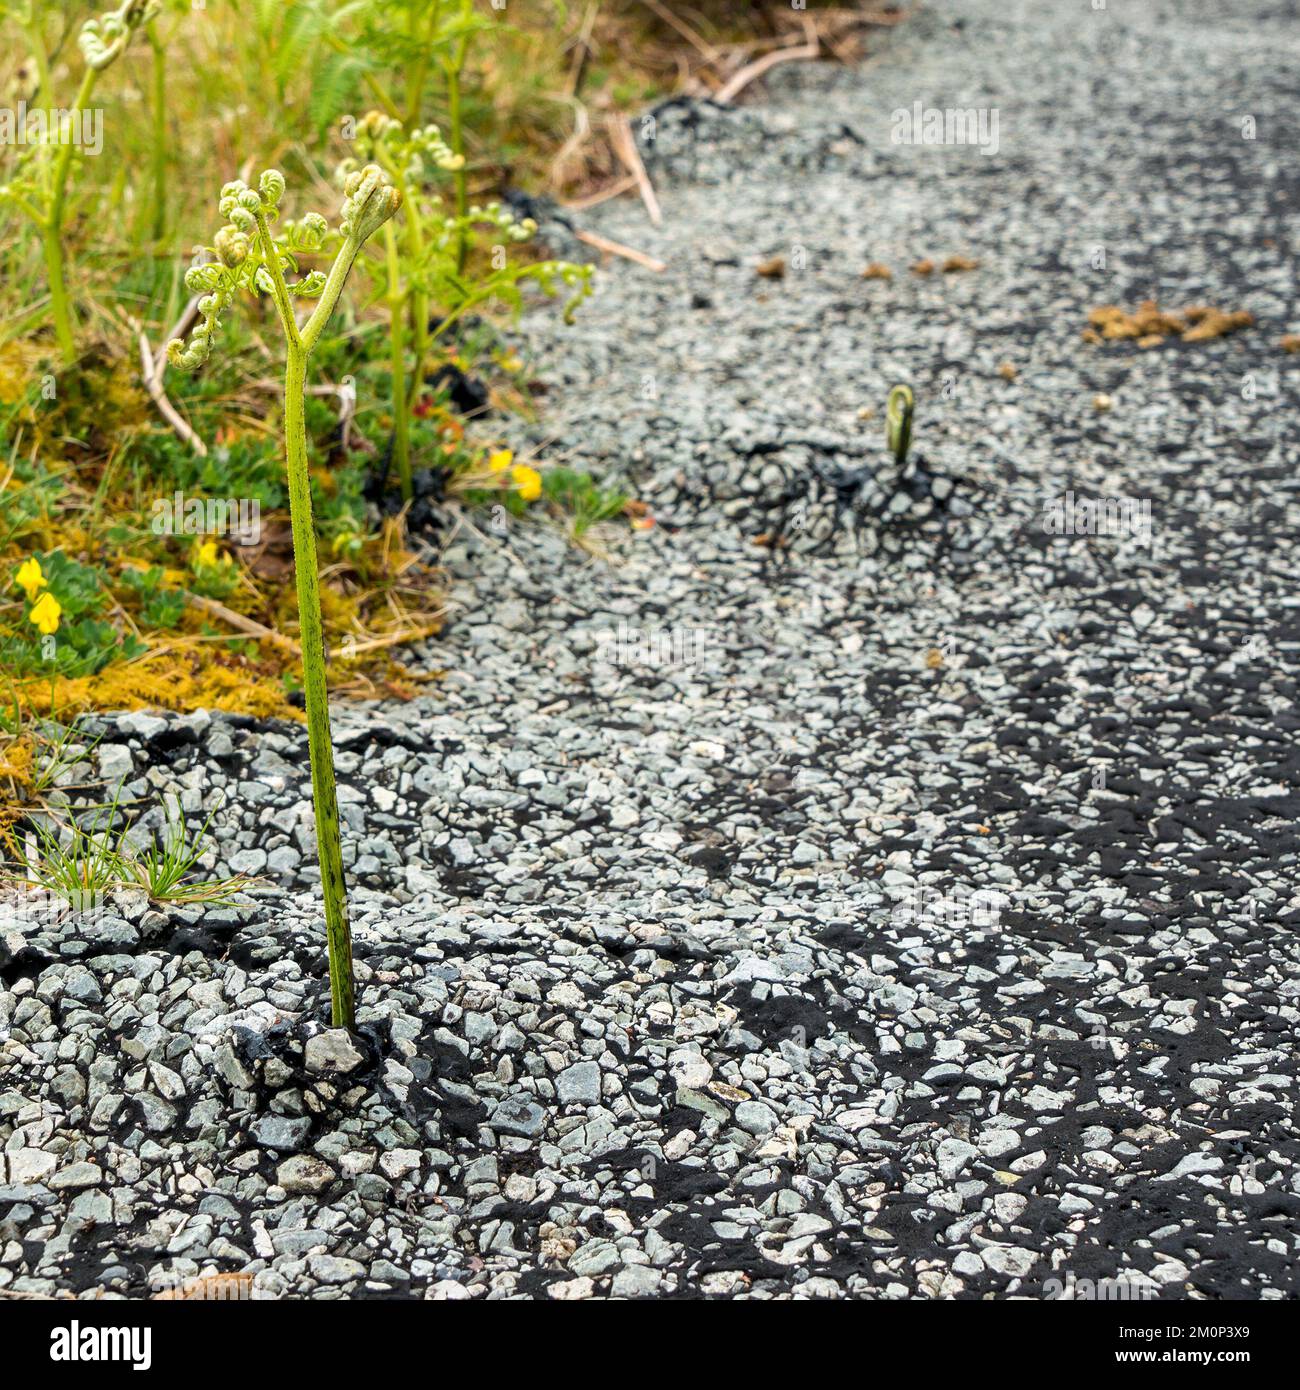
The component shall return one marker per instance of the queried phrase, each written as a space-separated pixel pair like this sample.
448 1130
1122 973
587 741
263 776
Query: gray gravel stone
333 1051
281 1132
579 1084
518 1116
303 1173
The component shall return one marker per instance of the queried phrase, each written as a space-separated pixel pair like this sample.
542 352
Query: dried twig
352 648
737 84
582 49
243 624
593 200
616 248
154 364
348 649
569 155
702 45
620 134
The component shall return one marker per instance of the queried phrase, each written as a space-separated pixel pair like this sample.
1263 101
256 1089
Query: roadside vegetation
186 527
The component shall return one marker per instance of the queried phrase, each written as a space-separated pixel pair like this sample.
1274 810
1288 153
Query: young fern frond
103 41
239 261
898 422
246 256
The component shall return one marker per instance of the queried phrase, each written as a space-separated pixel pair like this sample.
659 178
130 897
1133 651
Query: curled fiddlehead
103 40
239 257
898 422
369 201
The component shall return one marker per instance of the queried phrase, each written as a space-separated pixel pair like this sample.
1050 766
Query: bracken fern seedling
248 257
898 422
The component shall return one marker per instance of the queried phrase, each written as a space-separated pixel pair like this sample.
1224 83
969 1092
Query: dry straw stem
153 366
248 626
616 248
625 147
709 53
806 52
594 200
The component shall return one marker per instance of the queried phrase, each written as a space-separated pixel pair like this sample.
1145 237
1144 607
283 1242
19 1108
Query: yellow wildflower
30 579
45 614
501 460
206 553
528 481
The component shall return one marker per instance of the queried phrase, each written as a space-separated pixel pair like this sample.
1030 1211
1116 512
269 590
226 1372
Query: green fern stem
456 130
311 625
36 40
397 349
52 231
319 741
418 71
405 398
158 154
53 248
419 302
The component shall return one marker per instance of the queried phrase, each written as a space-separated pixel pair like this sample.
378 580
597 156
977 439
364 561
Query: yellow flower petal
205 553
30 579
45 614
528 481
501 460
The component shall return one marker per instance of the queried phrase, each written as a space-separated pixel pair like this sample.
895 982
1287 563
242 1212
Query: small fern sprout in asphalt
39 187
247 256
898 422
